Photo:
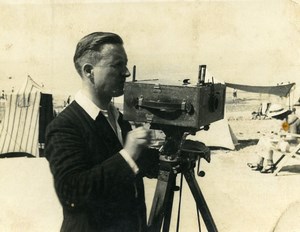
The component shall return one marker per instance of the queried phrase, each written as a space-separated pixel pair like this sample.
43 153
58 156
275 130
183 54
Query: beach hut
219 135
27 113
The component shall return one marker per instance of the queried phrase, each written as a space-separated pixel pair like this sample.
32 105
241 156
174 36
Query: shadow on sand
16 155
245 143
291 168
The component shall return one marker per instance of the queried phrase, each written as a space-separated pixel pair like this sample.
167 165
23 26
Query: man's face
111 71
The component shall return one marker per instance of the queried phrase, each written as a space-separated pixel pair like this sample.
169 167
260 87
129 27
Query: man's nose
126 72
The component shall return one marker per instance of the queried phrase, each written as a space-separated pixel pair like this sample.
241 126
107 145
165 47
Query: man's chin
118 93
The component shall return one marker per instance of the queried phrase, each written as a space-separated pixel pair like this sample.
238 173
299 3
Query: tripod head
180 152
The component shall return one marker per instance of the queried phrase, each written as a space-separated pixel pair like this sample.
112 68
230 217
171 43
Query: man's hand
136 140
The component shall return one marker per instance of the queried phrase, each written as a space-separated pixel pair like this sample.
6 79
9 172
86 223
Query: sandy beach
239 199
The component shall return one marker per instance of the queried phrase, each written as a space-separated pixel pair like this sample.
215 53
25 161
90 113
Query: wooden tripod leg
200 201
162 202
168 208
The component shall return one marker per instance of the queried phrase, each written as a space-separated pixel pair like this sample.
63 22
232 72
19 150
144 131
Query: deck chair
262 112
293 153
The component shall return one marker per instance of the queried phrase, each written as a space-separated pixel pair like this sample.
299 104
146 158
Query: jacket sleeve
77 180
148 163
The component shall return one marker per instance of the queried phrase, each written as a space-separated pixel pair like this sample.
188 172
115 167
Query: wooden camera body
189 106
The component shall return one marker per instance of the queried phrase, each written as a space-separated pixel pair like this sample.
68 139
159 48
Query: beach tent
281 90
284 92
219 135
27 113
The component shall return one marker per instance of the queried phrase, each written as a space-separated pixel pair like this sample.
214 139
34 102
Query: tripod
177 155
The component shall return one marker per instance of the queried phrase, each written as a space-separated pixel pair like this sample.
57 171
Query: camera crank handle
200 172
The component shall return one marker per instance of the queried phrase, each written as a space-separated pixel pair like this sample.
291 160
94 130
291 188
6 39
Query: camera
179 105
177 110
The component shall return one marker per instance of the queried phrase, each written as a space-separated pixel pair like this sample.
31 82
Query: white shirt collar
91 108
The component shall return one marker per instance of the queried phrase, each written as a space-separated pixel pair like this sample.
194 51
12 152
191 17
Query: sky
245 42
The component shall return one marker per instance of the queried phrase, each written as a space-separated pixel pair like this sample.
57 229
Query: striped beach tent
27 113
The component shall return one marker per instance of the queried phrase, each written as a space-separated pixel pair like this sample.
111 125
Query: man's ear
87 70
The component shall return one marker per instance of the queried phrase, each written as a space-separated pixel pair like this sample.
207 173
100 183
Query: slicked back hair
89 47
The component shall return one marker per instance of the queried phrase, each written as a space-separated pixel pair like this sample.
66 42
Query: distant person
234 95
3 96
69 100
267 144
98 162
65 104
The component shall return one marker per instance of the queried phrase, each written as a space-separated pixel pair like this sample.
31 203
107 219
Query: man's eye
115 65
118 65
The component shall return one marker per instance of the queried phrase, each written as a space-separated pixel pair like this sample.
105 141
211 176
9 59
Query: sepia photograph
149 115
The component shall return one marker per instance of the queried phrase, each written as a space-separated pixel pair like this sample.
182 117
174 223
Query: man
234 94
97 161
